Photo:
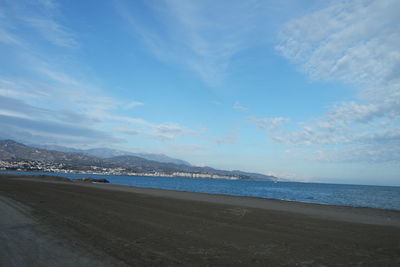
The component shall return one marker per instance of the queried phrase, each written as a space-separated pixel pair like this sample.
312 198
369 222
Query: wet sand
147 227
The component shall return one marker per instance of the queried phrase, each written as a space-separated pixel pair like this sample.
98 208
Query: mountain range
109 153
14 151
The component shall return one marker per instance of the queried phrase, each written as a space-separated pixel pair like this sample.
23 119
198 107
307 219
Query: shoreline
56 178
167 175
43 173
154 227
351 214
334 202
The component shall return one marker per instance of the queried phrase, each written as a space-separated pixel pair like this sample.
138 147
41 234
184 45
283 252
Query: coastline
365 196
322 211
205 229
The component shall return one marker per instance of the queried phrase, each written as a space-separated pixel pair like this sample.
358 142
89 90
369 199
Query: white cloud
202 36
268 123
239 107
46 102
60 97
162 131
169 131
35 130
353 41
8 38
356 43
51 72
52 31
272 126
41 16
131 120
134 104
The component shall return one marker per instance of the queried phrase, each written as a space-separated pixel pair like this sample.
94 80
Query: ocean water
381 197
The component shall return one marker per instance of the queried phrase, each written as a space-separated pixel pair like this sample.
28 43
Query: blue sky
306 90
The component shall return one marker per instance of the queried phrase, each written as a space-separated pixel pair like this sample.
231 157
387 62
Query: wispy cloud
42 17
170 131
134 104
8 38
52 31
354 42
34 130
202 36
47 102
239 107
8 104
160 131
272 126
56 98
268 123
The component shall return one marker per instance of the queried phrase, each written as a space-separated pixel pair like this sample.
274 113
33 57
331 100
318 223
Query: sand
119 226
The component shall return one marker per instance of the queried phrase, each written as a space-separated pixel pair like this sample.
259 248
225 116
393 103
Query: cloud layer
202 36
51 99
355 43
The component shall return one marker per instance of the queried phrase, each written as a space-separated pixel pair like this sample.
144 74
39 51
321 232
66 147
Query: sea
380 197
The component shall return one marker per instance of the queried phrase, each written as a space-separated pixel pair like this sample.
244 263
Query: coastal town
51 167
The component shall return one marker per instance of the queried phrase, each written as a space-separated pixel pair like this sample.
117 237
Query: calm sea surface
381 197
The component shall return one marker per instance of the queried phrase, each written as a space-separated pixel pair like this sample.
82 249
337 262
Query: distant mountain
13 151
161 158
149 165
108 153
57 148
252 174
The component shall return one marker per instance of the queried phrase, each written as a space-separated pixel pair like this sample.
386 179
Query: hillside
108 153
11 150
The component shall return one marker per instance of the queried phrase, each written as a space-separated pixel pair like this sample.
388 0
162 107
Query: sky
303 90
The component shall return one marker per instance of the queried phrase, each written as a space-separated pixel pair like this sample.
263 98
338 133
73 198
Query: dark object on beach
93 180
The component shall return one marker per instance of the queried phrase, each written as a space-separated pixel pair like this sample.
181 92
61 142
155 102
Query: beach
110 225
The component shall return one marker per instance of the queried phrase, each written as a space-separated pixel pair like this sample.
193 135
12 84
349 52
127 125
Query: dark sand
116 225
